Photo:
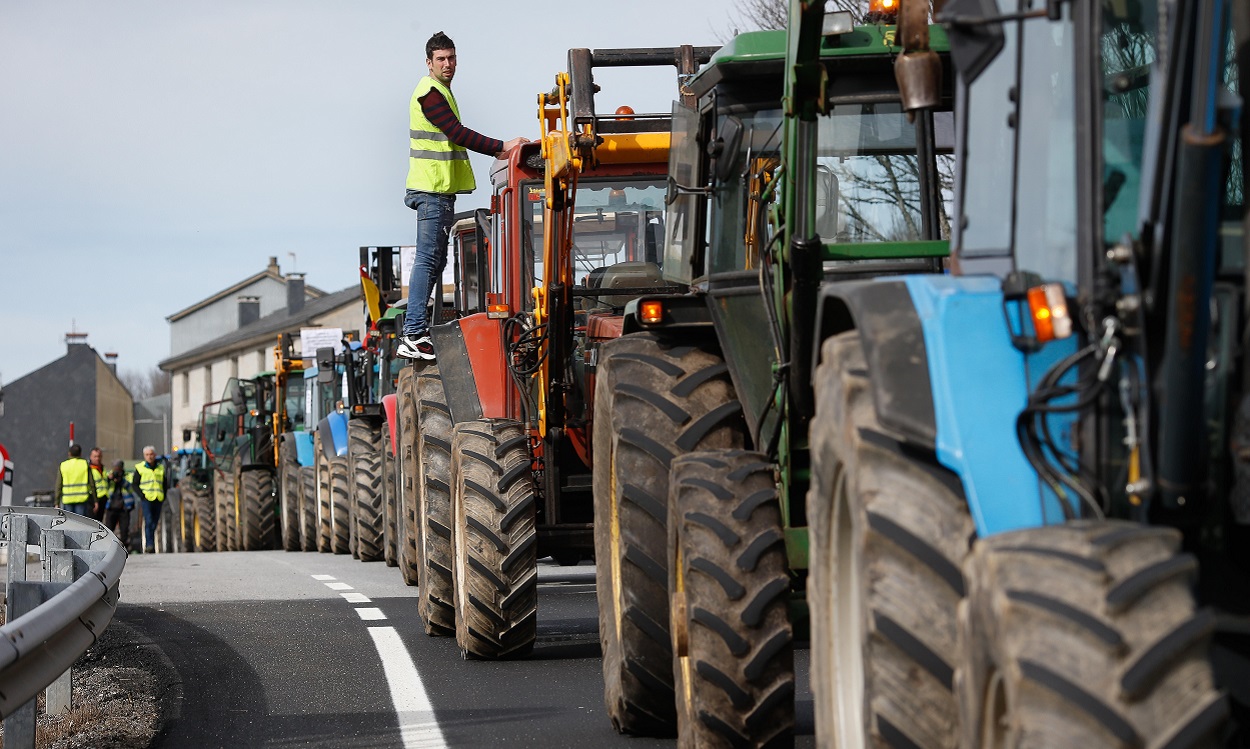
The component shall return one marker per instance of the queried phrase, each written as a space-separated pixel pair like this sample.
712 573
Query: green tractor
246 489
798 167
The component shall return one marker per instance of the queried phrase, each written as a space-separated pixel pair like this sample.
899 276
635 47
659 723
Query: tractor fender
304 448
333 426
893 339
939 345
472 361
389 403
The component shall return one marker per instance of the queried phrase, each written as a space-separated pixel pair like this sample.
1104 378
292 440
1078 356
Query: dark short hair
75 450
438 41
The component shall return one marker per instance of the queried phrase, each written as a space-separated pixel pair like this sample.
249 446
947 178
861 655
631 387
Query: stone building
80 388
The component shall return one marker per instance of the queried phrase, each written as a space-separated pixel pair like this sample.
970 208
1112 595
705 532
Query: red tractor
494 437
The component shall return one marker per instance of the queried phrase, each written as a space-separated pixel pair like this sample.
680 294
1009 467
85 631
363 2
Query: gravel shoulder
122 687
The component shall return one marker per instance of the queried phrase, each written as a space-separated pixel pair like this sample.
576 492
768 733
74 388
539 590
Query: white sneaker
415 347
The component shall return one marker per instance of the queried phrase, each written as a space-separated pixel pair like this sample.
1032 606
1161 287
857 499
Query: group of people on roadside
83 486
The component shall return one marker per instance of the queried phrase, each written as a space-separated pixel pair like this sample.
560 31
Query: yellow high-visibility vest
101 481
75 478
435 164
152 481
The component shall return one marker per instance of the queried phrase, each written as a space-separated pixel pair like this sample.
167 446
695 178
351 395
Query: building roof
270 272
265 330
72 350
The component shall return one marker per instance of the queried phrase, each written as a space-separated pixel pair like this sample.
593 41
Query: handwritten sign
311 339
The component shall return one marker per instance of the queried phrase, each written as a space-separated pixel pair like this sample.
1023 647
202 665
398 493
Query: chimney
249 310
75 338
273 266
110 358
294 292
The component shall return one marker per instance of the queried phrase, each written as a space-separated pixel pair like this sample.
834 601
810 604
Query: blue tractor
1028 508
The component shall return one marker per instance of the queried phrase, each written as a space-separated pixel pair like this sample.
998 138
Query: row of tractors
728 353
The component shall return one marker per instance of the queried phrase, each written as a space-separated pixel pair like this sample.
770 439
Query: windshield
1019 167
295 401
1128 51
867 174
615 220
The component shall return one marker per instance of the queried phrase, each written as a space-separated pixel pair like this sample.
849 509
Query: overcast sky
153 153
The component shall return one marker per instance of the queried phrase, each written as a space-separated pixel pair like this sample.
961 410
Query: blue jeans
435 215
151 515
79 508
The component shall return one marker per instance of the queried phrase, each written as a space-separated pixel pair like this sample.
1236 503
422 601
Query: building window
186 387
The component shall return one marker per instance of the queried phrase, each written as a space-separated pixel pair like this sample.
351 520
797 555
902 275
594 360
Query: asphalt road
289 649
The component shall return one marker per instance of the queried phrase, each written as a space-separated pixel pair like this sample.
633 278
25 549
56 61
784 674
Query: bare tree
754 15
145 383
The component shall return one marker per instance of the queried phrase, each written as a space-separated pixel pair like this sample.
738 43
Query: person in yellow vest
150 483
438 170
75 491
99 477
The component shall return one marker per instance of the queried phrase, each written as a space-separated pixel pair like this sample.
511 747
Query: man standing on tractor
149 481
95 466
75 491
438 169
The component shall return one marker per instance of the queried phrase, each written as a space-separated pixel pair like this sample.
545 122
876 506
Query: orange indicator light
651 312
1049 309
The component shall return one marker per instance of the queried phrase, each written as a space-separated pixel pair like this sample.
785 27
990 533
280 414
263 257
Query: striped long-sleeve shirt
438 112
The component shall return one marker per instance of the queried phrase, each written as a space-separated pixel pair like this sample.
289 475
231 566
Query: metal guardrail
50 623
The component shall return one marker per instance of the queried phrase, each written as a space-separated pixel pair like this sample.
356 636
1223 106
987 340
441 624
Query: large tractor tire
205 523
889 530
364 443
390 512
308 508
436 592
340 504
187 491
325 502
219 509
1085 634
494 527
653 402
224 490
257 517
733 653
406 477
289 487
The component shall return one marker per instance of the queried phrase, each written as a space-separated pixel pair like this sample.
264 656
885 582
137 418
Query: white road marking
338 586
371 615
418 728
356 598
323 577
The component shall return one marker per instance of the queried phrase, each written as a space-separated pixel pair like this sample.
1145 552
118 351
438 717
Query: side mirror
186 435
976 35
325 365
236 398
